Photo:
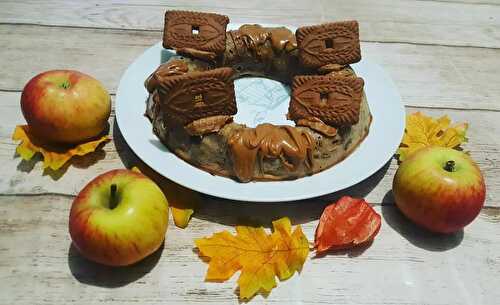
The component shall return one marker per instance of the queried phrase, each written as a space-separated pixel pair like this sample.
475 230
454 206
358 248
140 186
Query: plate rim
270 198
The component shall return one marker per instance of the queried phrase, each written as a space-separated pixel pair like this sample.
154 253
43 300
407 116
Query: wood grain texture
427 76
425 22
443 56
404 265
22 177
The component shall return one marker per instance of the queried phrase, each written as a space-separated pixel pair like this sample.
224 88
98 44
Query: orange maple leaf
260 256
54 157
422 131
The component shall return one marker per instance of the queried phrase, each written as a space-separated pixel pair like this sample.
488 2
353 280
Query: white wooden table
445 59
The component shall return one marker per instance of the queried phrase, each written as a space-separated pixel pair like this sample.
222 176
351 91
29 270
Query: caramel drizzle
255 37
171 68
291 145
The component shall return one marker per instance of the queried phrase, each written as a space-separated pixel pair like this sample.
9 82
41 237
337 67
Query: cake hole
323 97
261 100
329 43
195 30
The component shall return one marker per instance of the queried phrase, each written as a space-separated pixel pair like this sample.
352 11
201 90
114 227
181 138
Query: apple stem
112 200
449 166
65 84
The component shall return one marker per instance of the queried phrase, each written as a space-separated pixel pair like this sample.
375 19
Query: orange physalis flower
260 256
345 224
54 157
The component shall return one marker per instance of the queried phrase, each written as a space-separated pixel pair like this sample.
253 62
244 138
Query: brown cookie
318 125
200 31
203 55
195 95
171 68
207 125
329 43
335 100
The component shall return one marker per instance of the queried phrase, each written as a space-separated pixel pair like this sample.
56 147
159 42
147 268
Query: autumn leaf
422 131
182 201
345 224
260 256
54 156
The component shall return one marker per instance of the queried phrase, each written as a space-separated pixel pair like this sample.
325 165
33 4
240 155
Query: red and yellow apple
65 106
440 189
119 218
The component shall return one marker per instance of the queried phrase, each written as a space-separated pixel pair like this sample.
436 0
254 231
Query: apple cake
192 100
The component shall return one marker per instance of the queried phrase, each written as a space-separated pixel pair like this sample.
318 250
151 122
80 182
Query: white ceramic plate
262 100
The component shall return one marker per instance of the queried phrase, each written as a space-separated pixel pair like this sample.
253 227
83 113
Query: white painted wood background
444 56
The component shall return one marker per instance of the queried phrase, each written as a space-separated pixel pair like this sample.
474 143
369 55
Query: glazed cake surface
192 101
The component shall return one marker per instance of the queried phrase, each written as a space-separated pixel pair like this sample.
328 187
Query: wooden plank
439 76
104 54
27 177
427 76
404 265
475 2
463 24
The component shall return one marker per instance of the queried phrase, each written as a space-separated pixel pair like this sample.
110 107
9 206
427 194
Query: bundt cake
192 99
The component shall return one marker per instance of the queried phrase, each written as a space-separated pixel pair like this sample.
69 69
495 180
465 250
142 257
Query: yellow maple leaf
260 256
54 156
181 200
422 131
